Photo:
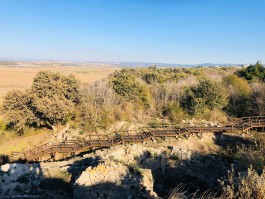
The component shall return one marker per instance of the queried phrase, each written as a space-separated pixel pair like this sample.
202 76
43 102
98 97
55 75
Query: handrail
139 135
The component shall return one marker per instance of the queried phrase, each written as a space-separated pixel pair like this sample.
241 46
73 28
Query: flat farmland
21 77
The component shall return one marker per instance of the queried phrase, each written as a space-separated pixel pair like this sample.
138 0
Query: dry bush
179 192
217 116
246 186
98 106
253 155
215 74
259 97
164 93
170 91
188 81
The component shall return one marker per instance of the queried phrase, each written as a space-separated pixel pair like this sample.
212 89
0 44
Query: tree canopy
207 94
127 86
50 101
253 72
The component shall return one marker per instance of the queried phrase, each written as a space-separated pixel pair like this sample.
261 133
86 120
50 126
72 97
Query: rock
182 153
112 180
147 181
5 167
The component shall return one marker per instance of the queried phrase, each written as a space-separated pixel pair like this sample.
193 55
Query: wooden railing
142 134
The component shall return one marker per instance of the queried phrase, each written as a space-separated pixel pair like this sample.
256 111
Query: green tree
54 98
253 72
50 102
207 95
49 84
126 85
151 77
173 112
213 93
17 110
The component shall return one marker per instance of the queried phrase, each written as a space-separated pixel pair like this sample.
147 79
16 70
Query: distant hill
147 64
16 63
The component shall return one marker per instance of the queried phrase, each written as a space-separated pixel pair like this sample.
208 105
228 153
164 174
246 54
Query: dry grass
11 142
247 185
179 192
20 77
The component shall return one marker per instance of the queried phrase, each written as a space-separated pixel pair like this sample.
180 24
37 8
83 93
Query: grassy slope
10 142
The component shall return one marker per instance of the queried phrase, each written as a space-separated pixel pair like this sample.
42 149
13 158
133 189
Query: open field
20 76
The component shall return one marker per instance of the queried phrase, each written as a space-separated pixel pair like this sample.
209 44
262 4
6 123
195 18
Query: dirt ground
21 76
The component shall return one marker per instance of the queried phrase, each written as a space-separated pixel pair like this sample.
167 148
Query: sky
159 31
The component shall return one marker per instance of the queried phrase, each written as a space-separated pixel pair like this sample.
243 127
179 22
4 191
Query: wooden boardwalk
93 141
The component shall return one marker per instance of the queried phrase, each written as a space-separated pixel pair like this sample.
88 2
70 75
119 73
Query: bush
151 77
253 72
250 185
98 106
239 96
50 102
173 112
206 96
126 85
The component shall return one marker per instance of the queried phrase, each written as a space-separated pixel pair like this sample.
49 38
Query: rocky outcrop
125 171
112 179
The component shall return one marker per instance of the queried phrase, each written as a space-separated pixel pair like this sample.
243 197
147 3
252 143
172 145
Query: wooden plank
140 135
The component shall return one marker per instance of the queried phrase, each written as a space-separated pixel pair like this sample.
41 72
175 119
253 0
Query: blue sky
167 31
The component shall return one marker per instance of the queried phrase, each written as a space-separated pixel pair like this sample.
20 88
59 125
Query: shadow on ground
198 173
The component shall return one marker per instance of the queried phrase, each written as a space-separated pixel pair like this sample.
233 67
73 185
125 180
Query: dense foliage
141 94
150 95
207 95
254 72
50 102
127 86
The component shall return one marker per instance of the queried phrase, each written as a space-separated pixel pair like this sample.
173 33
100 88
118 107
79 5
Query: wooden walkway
93 141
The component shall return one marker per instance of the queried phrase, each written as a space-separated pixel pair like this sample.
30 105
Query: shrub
151 77
249 185
239 96
126 85
50 102
206 96
253 72
98 106
173 112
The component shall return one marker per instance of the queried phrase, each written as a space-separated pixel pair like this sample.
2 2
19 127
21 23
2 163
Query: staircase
140 135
